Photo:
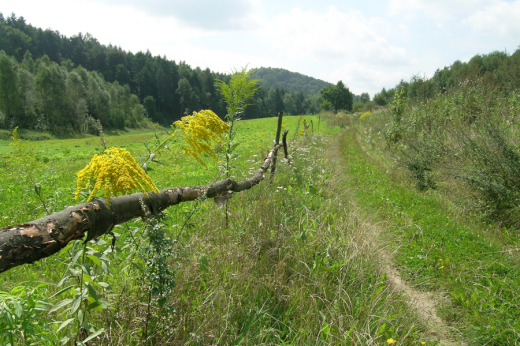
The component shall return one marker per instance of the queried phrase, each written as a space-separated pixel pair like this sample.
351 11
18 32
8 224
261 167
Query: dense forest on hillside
42 95
291 81
166 89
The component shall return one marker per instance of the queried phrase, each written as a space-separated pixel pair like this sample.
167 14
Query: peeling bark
46 236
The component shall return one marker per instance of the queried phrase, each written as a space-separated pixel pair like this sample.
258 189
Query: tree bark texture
46 236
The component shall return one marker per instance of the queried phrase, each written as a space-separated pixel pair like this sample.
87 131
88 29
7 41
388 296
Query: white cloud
502 18
335 36
440 11
217 60
361 78
219 15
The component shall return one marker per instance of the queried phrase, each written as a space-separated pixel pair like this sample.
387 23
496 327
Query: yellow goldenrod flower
390 341
116 171
200 129
364 115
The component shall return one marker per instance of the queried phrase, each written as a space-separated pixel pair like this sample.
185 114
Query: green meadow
293 267
304 259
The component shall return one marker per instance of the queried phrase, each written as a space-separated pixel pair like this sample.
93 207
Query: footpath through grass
436 249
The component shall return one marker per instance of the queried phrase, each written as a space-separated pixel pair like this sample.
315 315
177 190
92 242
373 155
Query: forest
120 88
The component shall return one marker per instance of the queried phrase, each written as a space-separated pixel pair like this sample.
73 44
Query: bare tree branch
46 236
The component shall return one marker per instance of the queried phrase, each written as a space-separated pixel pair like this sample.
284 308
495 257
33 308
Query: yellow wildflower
423 343
116 171
200 129
364 115
5 217
262 134
390 341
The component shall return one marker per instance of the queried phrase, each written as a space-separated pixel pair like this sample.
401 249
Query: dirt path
424 303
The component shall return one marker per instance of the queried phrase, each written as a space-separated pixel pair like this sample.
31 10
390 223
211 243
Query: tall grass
464 140
294 267
449 183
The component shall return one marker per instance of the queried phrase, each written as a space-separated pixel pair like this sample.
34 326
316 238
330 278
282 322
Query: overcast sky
366 44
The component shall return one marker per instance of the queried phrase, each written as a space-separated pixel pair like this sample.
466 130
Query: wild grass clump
295 267
463 140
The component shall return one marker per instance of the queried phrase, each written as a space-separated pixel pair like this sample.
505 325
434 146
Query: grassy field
294 267
439 246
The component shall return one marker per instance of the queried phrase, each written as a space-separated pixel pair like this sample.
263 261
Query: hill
290 81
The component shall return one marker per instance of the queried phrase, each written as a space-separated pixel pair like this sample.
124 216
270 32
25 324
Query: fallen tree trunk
46 236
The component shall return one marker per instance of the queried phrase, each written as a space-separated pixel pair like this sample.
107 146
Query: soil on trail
424 303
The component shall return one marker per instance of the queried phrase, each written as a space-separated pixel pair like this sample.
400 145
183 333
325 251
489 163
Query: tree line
499 71
271 77
42 95
165 90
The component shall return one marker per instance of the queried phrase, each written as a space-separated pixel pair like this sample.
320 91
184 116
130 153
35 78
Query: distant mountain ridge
291 81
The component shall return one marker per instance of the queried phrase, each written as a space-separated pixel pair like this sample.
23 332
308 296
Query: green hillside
290 81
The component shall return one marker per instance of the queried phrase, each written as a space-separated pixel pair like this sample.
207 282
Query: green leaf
63 290
76 303
95 260
103 284
42 305
66 339
93 335
87 278
61 304
91 291
64 324
75 258
18 309
17 289
80 316
93 305
86 268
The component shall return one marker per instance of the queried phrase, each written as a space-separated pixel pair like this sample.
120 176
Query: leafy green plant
494 173
84 278
159 255
239 90
398 105
22 311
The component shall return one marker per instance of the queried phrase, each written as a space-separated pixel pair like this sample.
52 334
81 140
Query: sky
366 44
